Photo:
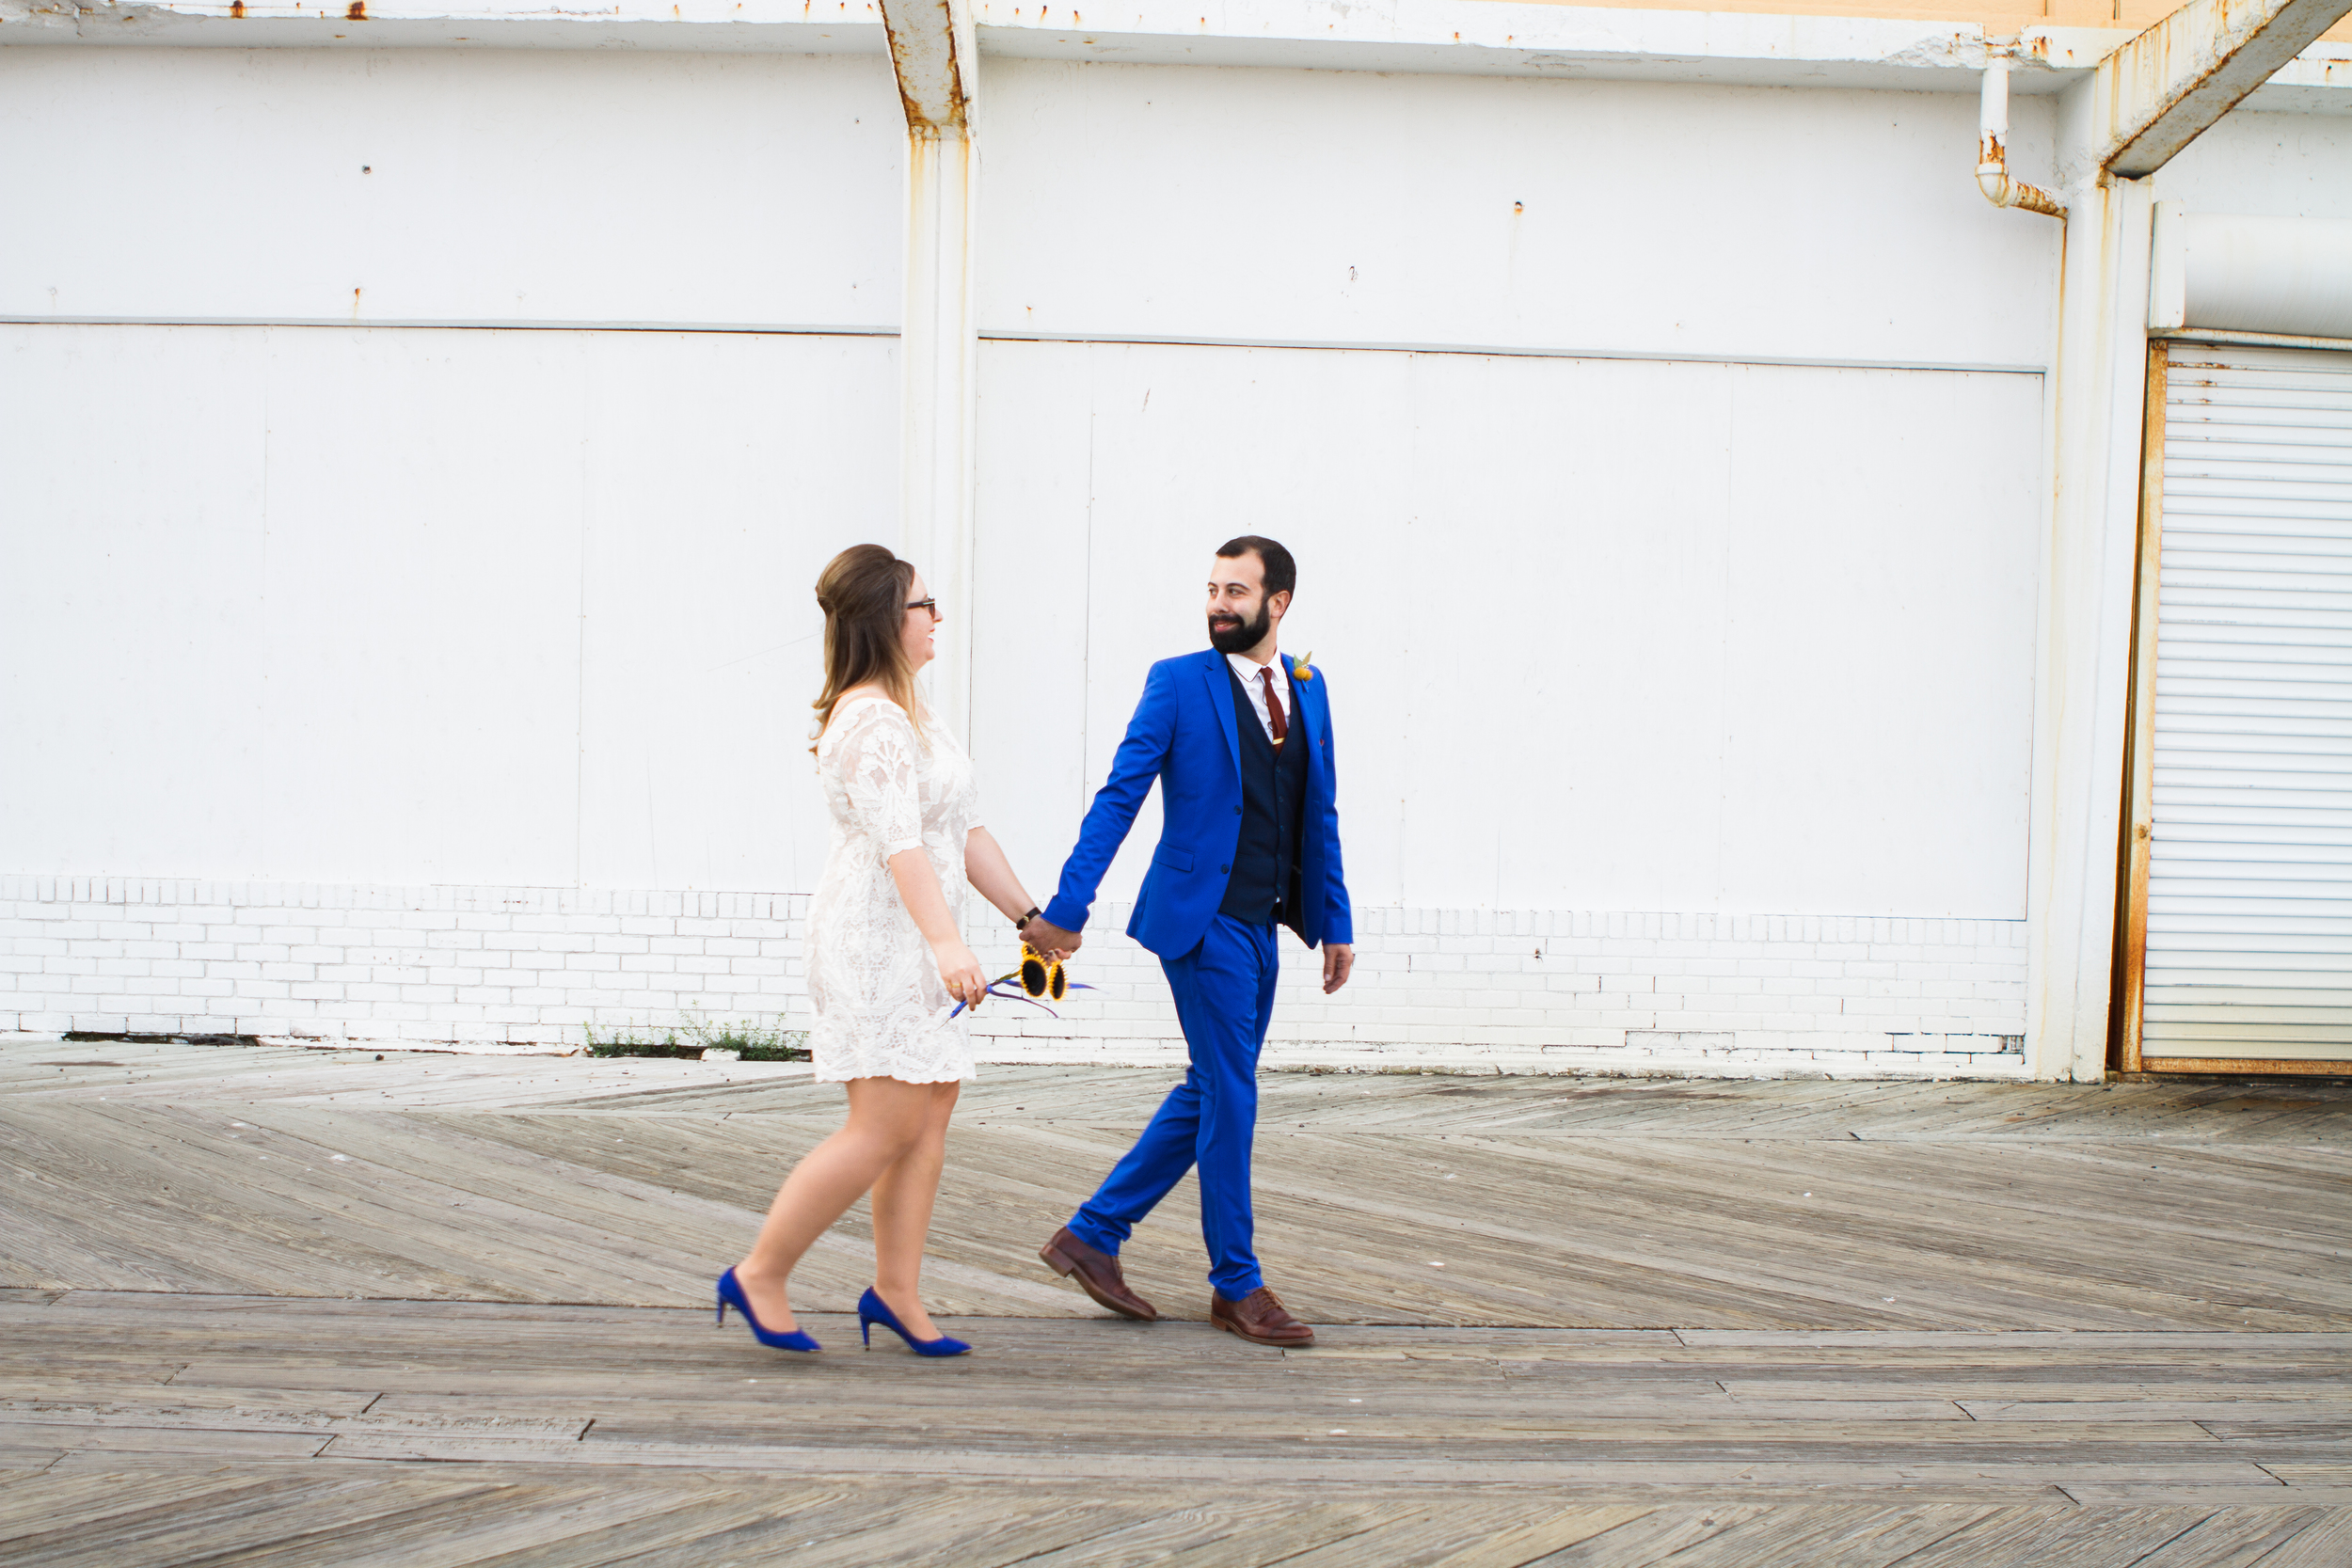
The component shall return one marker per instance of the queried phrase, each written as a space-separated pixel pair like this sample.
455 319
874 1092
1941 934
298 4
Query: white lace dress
881 1011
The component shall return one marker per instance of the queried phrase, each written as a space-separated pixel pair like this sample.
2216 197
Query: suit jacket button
1226 869
1237 811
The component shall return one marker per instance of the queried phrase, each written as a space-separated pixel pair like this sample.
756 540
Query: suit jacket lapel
1220 678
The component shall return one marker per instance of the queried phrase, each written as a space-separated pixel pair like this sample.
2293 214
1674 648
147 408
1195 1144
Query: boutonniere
1299 670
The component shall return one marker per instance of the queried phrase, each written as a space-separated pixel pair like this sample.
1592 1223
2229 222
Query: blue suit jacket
1183 734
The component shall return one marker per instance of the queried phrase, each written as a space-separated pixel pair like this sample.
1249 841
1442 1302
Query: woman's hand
918 888
960 972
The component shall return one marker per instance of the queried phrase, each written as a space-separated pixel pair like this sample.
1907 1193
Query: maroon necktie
1274 713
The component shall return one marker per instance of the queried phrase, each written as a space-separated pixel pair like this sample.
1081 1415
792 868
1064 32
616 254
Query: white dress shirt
1248 668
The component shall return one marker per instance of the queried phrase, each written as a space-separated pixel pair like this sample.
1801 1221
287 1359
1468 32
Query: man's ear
1278 605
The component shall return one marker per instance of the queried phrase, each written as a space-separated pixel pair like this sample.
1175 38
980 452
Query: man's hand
1339 958
1050 938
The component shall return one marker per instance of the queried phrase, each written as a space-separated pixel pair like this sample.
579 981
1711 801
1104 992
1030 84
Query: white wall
1676 219
428 618
1599 634
2265 165
361 561
532 186
505 186
330 604
532 608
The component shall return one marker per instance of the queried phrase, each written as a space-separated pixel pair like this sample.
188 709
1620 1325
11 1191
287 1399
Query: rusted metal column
2142 104
934 54
2082 685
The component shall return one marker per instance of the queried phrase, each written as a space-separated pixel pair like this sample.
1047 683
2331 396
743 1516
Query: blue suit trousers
1224 990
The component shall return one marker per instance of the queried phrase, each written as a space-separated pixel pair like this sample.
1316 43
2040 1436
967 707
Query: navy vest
1263 886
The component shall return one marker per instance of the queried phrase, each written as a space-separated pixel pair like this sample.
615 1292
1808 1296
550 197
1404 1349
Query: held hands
960 972
1339 958
1050 938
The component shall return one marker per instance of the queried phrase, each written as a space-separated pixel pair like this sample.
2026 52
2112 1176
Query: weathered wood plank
2091 1537
2232 1538
611 1194
2325 1542
320 1516
1241 1528
1849 1537
1654 1536
22 1458
1549 1529
64 1506
121 1437
506 1275
76 1398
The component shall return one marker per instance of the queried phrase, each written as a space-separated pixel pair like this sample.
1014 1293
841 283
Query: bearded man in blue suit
1240 740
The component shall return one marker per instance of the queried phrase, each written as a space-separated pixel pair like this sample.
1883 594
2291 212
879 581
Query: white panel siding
494 185
637 186
451 684
2249 901
1599 634
1349 207
532 608
2284 164
476 606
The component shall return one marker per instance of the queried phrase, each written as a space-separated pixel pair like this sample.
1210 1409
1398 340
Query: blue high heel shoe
731 1294
872 1309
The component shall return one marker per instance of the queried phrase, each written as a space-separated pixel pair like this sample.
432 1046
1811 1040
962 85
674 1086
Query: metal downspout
1993 149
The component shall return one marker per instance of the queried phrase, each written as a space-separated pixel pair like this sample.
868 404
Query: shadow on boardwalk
319 1306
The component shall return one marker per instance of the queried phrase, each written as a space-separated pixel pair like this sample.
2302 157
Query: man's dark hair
1281 572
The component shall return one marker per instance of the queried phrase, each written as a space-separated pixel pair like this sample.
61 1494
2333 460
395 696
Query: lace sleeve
877 764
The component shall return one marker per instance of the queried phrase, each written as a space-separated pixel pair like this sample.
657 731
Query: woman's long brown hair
862 591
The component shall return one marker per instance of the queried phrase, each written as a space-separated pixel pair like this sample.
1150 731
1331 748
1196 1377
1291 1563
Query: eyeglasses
932 605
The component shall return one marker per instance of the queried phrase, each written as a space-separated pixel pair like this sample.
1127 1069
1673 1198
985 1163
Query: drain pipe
1993 151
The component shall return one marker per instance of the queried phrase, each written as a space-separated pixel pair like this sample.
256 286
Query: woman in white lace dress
887 965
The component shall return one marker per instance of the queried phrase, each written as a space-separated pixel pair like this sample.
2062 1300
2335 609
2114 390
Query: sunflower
1036 976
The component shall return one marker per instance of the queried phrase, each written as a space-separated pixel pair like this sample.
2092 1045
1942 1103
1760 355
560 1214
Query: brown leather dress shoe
1261 1317
1098 1275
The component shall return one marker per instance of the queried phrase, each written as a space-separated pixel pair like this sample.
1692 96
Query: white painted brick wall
1542 990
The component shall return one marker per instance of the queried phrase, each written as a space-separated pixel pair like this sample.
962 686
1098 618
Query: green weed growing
688 1040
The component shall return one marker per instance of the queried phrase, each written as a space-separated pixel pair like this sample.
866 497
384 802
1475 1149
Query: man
1240 740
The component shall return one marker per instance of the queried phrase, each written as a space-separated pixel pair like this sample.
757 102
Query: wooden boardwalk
318 1306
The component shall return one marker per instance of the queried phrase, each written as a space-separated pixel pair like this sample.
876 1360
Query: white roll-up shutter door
2249 908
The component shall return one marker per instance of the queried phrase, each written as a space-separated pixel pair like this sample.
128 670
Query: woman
887 961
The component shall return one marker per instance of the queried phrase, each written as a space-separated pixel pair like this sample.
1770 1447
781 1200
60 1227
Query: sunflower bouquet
1038 976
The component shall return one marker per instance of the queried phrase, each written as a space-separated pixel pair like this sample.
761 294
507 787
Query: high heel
731 1294
872 1309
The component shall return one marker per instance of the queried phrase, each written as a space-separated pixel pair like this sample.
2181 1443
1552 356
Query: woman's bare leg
903 1196
886 1119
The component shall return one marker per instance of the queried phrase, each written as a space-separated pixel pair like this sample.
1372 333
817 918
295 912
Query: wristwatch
1023 920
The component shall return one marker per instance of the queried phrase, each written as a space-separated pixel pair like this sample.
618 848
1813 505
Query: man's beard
1241 637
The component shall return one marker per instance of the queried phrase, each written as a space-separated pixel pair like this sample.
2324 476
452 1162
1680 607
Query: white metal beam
1471 38
2142 104
935 57
933 49
2167 87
